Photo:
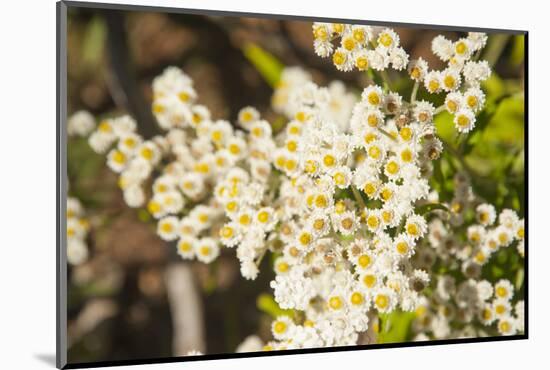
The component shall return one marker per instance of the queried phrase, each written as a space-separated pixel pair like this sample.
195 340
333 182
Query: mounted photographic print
234 185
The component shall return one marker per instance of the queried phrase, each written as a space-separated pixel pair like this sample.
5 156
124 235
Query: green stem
358 197
387 134
386 79
414 92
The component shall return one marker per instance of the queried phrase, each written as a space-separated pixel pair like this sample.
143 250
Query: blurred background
133 298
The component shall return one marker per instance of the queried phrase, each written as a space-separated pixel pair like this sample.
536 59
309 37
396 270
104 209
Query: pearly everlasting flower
81 123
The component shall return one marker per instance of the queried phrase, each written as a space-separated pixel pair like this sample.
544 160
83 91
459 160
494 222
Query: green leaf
518 50
269 67
395 326
519 278
444 126
94 41
267 304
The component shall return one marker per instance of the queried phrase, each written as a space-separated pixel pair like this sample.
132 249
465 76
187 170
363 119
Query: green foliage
94 41
267 304
430 207
395 326
518 50
269 67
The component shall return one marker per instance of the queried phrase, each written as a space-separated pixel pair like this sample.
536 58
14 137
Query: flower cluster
348 223
469 309
77 230
361 47
338 196
463 304
461 78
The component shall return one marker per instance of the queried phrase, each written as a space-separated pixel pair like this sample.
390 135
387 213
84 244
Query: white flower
418 68
252 343
134 196
443 48
167 228
207 250
486 214
464 120
504 289
81 123
399 59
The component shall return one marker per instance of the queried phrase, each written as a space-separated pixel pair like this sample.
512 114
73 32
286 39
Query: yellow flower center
357 298
147 153
290 164
433 85
521 233
263 217
449 82
166 227
231 206
279 327
372 120
320 33
119 157
387 193
463 121
184 97
321 201
339 58
461 48
381 301
339 178
373 98
329 160
305 238
244 220
471 101
392 167
372 221
359 35
319 224
369 280
349 44
370 189
504 326
364 261
412 229
362 63
415 73
185 246
227 232
374 152
153 207
234 149
158 108
452 106
282 267
405 133
335 303
402 248
385 39
347 223
406 155
501 292
291 146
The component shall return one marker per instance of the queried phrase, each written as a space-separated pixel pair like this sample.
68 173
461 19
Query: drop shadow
47 358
